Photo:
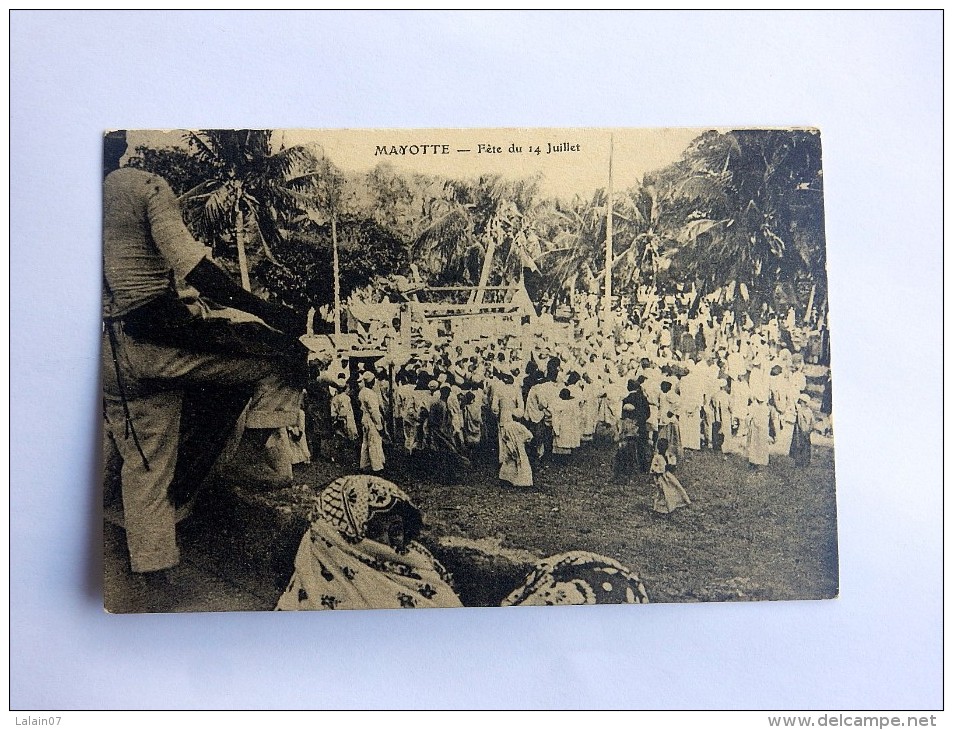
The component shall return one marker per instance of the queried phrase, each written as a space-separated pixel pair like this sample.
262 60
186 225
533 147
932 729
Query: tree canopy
743 207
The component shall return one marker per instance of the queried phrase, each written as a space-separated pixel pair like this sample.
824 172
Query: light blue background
870 81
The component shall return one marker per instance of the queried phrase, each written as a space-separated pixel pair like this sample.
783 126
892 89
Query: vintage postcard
352 369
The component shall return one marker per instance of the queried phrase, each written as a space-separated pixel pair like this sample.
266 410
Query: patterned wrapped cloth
340 566
578 578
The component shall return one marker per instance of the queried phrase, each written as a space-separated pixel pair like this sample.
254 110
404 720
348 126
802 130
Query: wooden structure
439 302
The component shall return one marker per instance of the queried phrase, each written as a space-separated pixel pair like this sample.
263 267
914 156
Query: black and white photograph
533 314
358 369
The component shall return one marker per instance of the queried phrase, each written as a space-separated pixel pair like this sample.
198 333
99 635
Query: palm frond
698 226
201 190
267 231
219 208
206 148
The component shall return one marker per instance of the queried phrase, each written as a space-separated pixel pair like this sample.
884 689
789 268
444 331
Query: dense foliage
743 206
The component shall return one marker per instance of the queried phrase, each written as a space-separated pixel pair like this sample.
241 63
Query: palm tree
480 232
510 228
252 188
757 217
642 223
575 256
445 246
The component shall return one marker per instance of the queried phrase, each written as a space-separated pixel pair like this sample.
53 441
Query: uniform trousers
169 412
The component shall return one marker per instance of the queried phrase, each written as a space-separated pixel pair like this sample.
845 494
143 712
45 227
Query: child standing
626 461
669 493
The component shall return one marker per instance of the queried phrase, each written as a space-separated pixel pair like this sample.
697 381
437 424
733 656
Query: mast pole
607 288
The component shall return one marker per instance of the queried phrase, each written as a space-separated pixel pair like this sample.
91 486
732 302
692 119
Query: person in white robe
567 434
515 467
670 495
472 401
759 416
783 402
759 384
298 441
669 426
693 396
736 430
588 408
736 366
343 423
372 425
405 420
539 403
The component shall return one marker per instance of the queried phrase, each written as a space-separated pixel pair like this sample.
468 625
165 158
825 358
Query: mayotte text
412 149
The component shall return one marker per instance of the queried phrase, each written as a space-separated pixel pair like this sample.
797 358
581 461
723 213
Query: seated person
361 552
578 578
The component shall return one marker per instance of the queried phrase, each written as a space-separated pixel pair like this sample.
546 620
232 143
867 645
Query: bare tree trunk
240 244
337 275
266 249
477 296
810 306
607 291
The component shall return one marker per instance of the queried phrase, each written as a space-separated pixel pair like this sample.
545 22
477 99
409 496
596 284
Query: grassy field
767 534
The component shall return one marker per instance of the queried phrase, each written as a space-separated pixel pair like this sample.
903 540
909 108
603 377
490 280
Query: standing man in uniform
185 350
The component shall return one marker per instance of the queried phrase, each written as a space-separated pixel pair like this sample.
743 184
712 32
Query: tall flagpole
607 289
337 274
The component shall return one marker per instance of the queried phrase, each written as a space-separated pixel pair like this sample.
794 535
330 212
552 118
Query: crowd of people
672 373
200 375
